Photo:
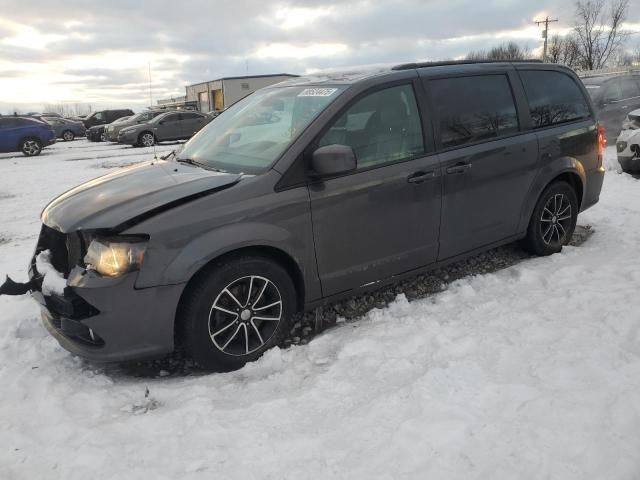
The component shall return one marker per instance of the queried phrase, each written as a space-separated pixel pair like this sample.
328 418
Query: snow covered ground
531 372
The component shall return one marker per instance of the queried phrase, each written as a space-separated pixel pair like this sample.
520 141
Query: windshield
252 134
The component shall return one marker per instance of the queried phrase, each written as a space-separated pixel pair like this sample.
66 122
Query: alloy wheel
67 136
147 140
555 220
245 315
30 147
103 137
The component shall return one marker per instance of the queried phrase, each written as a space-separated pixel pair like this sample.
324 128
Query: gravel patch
308 325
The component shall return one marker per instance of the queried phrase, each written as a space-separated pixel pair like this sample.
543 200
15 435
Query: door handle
458 168
420 177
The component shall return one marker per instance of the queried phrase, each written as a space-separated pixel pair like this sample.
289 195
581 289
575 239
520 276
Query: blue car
26 135
66 129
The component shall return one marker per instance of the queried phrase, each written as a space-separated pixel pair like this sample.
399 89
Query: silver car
165 127
113 129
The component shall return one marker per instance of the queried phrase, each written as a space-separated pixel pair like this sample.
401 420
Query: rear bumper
109 320
593 186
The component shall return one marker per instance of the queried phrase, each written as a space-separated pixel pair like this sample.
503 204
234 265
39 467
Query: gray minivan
312 190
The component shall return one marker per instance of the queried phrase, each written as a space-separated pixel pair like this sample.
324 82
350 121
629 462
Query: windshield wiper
190 161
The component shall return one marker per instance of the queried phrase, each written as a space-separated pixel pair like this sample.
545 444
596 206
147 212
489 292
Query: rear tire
68 135
31 147
553 220
235 311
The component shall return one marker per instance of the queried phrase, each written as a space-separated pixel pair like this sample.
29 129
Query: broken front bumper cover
107 319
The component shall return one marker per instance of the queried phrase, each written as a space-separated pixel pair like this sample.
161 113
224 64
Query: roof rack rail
410 66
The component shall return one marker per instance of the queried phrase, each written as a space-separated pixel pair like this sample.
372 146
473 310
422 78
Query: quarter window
382 127
473 109
554 98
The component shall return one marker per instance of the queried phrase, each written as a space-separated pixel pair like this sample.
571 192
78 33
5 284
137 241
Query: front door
487 167
383 219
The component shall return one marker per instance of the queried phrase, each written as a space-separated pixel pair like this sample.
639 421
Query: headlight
112 258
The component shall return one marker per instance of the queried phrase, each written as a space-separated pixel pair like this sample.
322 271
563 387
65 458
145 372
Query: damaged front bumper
103 319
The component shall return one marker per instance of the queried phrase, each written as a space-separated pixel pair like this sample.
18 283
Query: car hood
118 200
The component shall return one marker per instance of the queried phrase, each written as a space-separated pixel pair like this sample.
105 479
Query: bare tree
564 50
506 51
598 31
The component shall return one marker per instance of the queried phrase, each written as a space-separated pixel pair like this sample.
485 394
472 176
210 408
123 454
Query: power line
545 34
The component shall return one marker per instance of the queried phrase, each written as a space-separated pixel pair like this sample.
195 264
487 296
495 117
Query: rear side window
382 127
473 109
554 98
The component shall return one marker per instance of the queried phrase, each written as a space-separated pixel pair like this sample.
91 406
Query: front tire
235 311
31 147
146 139
553 221
68 136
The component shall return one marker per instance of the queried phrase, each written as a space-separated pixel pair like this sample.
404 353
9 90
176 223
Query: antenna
155 154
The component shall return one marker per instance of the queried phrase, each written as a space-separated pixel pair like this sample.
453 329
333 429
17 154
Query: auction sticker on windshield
317 92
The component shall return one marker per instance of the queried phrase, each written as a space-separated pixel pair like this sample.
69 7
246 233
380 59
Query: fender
545 176
225 239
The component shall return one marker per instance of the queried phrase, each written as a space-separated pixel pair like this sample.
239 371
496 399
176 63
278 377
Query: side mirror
332 160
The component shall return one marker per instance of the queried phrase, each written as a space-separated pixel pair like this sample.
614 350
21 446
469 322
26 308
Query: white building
221 93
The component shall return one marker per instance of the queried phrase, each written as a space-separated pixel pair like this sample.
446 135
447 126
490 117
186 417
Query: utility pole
545 34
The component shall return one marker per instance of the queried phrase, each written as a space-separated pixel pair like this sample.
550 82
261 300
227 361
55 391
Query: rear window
473 109
554 98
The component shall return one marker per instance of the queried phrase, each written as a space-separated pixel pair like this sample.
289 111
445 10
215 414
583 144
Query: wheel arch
265 251
28 137
569 170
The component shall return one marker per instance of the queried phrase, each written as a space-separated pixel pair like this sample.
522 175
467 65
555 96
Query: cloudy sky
99 52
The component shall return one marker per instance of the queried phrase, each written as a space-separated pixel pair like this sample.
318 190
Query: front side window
473 109
99 116
554 98
254 132
382 127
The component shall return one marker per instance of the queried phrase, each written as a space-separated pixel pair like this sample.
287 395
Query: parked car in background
97 133
356 180
614 96
113 129
628 143
26 135
165 127
104 117
65 129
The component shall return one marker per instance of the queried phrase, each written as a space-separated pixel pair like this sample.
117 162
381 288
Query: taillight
602 141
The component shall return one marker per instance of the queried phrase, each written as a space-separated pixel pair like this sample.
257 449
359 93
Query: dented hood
118 199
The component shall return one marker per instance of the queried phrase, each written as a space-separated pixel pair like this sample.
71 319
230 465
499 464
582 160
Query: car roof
351 75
